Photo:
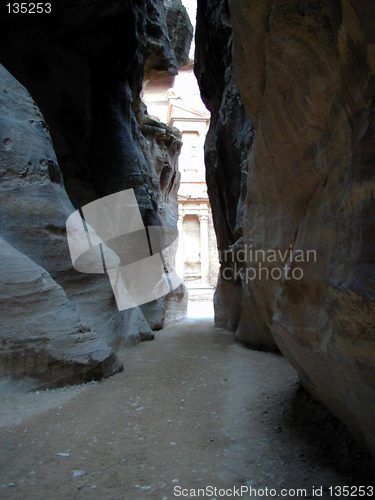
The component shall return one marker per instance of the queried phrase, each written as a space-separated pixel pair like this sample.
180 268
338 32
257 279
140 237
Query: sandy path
191 409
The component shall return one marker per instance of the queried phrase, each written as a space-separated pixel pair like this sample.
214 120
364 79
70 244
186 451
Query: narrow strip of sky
191 7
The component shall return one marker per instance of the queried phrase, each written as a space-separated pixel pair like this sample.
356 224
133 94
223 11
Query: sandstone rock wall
227 149
179 25
42 336
83 66
305 72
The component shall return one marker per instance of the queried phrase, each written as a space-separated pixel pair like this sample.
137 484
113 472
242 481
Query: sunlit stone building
175 100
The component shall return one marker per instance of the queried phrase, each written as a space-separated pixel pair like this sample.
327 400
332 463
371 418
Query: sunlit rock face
161 146
83 66
305 72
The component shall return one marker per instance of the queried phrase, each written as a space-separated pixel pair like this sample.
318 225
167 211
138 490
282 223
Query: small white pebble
79 473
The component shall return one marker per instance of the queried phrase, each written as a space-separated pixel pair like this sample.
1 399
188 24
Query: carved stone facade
177 102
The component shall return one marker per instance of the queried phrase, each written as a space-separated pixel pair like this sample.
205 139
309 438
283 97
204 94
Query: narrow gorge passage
192 408
93 116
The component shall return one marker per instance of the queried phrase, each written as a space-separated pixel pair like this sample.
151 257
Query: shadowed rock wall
227 149
305 72
83 65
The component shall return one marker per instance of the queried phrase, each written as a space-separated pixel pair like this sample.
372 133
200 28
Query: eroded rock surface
34 209
83 65
41 334
180 30
305 72
227 149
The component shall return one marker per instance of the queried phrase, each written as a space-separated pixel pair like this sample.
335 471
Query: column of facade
205 263
180 247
